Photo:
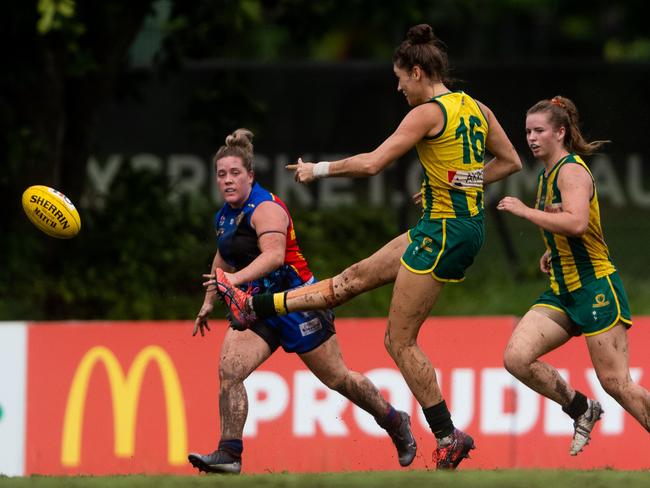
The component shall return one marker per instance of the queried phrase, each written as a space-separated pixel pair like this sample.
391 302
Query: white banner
13 385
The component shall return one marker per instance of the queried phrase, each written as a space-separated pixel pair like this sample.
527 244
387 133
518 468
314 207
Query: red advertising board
133 397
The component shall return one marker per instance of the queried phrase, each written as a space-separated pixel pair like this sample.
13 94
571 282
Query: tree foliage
498 30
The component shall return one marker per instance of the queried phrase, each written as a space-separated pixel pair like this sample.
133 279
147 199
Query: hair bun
241 137
420 34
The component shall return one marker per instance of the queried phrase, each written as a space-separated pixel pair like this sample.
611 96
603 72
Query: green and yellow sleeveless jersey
575 261
453 160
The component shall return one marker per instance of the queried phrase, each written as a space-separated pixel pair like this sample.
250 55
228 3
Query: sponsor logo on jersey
466 179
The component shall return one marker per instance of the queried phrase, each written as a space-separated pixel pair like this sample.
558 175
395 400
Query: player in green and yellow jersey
452 133
586 294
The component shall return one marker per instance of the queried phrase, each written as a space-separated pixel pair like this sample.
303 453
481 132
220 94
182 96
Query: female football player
451 132
256 243
586 294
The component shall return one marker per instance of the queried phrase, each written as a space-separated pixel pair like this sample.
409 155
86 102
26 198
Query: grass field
412 479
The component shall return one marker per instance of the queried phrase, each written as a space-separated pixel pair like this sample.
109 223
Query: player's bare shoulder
428 118
487 113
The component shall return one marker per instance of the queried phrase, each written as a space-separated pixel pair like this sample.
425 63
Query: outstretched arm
419 122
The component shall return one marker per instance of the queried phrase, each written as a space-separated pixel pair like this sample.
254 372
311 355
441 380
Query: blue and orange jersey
453 159
237 243
575 261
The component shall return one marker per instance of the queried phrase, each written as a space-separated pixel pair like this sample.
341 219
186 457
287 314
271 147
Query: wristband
321 169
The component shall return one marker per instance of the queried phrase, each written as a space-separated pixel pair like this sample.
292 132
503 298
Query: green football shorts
594 307
444 247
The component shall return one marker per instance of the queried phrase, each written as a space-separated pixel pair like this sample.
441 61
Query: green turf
412 479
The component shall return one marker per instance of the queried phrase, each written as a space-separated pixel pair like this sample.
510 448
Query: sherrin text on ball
51 211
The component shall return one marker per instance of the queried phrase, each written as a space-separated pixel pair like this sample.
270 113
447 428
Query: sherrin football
51 211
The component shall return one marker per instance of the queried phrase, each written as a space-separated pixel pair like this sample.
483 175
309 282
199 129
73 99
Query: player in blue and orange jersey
586 294
256 244
452 133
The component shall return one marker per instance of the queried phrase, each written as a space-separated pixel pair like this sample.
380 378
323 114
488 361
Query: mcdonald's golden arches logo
125 392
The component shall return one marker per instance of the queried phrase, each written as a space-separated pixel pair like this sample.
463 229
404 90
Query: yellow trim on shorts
431 270
447 280
618 309
433 275
416 271
588 334
442 249
552 307
278 303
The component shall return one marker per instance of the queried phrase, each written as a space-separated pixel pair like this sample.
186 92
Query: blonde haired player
586 294
451 132
257 243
